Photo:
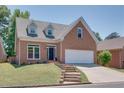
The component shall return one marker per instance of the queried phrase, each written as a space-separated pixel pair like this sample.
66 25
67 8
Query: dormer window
32 30
49 32
79 32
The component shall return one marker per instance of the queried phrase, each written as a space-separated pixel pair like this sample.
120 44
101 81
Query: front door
51 53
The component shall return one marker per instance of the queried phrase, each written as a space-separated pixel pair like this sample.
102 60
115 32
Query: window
30 52
79 32
49 32
32 30
33 52
36 52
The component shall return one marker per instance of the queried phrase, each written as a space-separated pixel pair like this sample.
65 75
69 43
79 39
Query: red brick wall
116 57
72 42
115 62
43 51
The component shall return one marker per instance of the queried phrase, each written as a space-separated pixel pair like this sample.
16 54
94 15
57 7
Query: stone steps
72 79
70 75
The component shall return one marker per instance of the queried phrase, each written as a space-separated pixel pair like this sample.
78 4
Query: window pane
79 33
32 30
36 52
49 32
30 52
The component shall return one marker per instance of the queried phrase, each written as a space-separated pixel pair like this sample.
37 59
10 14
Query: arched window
50 32
79 32
32 30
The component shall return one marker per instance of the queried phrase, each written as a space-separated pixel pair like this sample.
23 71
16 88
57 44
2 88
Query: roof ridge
112 39
42 21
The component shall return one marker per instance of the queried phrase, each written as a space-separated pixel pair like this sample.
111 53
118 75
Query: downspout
19 53
122 58
61 51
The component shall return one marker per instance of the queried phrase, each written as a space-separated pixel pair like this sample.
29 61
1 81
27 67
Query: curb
44 85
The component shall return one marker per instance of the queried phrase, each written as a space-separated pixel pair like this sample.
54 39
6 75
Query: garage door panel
78 56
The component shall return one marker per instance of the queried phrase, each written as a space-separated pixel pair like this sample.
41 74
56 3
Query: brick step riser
71 71
68 67
71 74
72 77
63 75
65 80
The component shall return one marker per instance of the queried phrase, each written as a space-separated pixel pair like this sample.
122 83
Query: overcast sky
102 19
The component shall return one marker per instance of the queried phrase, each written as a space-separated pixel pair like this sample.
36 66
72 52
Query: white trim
33 52
39 40
55 52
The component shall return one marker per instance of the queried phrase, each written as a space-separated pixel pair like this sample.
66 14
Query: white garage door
78 56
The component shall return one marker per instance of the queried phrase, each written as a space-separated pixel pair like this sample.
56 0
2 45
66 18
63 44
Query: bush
105 57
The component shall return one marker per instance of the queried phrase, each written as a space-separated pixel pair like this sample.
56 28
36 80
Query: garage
78 56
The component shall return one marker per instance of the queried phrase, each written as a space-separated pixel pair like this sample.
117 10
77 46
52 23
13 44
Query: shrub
105 57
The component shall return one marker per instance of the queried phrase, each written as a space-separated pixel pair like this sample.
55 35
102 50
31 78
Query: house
116 47
2 51
43 41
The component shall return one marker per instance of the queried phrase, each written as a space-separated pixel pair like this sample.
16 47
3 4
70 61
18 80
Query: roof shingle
116 43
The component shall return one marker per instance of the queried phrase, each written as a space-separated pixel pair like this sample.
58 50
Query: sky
102 19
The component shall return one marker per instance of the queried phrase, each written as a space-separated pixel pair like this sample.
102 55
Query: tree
112 35
105 57
97 36
10 40
4 16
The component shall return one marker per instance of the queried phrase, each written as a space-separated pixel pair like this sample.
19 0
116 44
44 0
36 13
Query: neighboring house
116 47
2 51
43 41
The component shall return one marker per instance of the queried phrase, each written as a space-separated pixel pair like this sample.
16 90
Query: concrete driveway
100 74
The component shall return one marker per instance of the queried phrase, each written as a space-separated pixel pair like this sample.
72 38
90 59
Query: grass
84 78
36 74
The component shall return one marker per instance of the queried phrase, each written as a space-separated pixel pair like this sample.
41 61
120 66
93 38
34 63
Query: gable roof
60 30
86 26
21 26
1 44
117 43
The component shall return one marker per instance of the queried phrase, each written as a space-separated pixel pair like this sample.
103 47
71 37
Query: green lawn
36 74
84 78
